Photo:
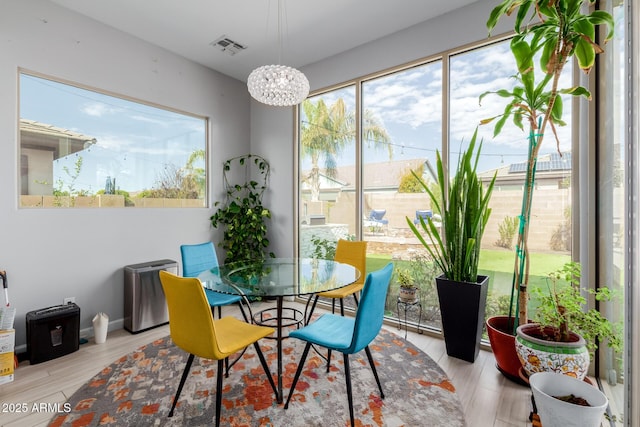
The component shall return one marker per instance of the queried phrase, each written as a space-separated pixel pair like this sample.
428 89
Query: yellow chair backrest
353 253
190 319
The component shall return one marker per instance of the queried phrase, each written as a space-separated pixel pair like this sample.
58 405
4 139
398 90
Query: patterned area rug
137 390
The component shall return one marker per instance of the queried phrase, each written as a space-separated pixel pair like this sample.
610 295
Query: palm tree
196 175
325 133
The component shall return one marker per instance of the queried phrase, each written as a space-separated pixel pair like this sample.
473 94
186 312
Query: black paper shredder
52 332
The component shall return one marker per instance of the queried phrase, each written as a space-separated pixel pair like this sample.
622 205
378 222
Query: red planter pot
503 344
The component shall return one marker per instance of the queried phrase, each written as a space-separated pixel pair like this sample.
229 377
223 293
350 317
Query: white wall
50 254
271 128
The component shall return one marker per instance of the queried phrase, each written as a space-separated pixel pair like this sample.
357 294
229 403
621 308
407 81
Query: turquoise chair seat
348 335
330 331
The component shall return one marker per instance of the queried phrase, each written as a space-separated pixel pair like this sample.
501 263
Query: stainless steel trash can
144 304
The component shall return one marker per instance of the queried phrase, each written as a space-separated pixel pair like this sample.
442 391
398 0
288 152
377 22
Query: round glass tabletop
275 277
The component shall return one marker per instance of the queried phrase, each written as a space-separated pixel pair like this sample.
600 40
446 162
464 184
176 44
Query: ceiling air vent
227 45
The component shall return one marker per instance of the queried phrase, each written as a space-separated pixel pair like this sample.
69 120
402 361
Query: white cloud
98 109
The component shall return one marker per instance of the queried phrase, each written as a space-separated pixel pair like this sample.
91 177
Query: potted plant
557 31
565 335
408 291
243 215
558 404
463 205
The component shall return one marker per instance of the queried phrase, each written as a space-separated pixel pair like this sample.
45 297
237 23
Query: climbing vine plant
242 214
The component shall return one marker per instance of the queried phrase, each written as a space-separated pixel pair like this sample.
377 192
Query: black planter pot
462 306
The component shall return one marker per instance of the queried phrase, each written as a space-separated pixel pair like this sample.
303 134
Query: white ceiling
312 29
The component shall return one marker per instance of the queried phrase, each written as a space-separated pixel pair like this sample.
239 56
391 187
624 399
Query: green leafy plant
404 279
464 211
507 229
561 306
323 248
556 31
243 215
561 237
409 183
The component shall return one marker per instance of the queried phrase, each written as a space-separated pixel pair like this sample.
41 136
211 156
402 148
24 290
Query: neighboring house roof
549 166
32 126
42 136
382 175
326 182
387 175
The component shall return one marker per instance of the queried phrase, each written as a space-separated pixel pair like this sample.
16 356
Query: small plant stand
408 305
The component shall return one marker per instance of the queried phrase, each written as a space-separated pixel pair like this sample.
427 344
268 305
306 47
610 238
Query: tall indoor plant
463 204
242 213
557 31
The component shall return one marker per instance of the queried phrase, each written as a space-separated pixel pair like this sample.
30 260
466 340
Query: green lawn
498 264
502 260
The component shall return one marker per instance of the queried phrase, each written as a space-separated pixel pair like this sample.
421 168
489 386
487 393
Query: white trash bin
100 327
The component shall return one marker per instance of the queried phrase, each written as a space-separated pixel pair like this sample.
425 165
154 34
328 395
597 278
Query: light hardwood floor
488 398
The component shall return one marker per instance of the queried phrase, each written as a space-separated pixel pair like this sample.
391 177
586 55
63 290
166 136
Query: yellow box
7 344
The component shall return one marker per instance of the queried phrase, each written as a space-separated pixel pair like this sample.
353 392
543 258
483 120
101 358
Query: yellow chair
355 254
194 330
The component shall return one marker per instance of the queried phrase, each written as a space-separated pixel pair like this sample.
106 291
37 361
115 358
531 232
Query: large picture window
81 148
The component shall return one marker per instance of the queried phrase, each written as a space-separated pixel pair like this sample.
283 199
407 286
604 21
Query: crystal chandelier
278 85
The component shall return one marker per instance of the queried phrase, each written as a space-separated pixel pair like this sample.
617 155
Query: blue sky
409 104
134 141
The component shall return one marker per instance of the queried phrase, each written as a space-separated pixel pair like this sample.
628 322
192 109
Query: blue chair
346 334
424 214
377 215
202 257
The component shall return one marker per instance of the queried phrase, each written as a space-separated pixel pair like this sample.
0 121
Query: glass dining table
277 278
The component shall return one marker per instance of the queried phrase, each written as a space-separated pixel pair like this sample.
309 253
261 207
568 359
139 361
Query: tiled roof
44 129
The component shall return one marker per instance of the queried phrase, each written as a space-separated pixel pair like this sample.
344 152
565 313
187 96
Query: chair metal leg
219 312
246 319
373 368
313 307
266 368
182 380
219 392
298 371
341 307
328 360
347 375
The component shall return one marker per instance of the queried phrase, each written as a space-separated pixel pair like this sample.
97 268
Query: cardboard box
7 347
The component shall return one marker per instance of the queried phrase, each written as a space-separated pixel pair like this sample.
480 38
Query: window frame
203 122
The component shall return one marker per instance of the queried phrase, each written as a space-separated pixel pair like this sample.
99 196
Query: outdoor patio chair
424 214
377 215
376 222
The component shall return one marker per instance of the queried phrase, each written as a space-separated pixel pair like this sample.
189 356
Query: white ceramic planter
557 413
408 294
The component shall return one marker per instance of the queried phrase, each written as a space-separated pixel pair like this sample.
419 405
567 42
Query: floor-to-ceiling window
363 145
401 131
327 202
474 75
611 238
